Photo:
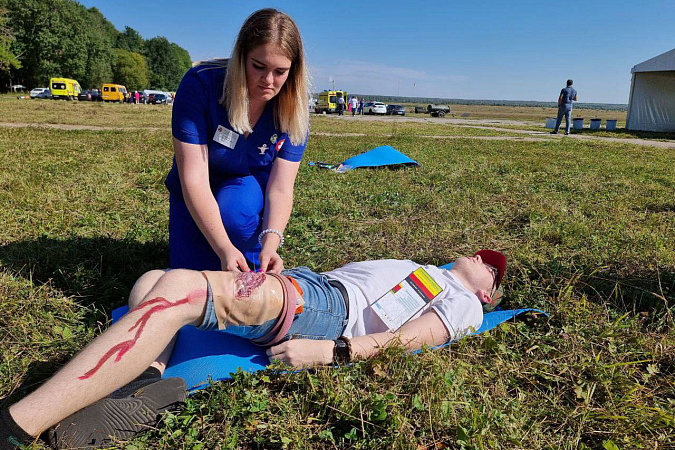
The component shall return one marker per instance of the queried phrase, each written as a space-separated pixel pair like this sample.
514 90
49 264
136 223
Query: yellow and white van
328 101
64 88
113 92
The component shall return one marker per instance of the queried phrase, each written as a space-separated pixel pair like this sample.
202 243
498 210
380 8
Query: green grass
122 116
98 114
588 228
621 132
389 126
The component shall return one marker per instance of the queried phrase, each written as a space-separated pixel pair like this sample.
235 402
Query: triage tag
407 298
225 137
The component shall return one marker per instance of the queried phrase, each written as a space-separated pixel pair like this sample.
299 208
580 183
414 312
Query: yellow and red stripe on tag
421 279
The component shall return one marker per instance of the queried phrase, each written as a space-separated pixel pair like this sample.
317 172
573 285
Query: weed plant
588 228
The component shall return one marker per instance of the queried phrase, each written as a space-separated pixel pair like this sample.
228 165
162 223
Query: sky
481 49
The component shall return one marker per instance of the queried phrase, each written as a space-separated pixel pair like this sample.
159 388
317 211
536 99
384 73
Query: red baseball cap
498 261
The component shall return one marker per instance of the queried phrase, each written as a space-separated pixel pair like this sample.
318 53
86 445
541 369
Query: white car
374 108
40 93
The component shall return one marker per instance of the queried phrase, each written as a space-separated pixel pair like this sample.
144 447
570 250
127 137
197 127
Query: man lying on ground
114 387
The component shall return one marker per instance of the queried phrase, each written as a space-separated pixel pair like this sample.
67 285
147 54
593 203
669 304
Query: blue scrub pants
568 119
240 201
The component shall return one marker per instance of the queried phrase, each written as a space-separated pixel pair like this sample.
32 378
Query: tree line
40 39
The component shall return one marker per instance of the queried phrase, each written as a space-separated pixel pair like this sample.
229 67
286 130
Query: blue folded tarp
200 357
382 156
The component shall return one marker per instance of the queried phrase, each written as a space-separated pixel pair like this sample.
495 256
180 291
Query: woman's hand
270 261
234 261
302 352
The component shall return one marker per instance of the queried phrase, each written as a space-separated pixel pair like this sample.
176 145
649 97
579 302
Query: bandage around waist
282 326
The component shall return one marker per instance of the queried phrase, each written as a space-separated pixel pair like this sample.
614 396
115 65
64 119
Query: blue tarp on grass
382 156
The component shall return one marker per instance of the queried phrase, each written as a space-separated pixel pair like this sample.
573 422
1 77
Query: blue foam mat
202 355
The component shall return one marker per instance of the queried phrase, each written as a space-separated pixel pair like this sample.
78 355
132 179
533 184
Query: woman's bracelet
271 230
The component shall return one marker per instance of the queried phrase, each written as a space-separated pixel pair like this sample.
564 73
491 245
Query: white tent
651 106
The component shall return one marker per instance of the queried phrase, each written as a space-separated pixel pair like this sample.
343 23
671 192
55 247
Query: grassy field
529 114
44 111
120 116
588 228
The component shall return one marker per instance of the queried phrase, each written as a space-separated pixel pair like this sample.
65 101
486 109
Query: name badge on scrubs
226 137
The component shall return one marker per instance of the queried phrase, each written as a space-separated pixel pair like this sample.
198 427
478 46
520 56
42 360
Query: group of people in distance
240 128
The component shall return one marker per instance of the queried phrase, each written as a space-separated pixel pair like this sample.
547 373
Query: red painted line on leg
161 304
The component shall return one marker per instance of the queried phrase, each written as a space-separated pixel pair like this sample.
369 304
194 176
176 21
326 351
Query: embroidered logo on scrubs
263 149
279 144
273 139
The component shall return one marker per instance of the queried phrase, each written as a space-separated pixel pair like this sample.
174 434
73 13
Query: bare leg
119 355
141 288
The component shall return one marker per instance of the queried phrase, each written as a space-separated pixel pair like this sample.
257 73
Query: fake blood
160 304
247 282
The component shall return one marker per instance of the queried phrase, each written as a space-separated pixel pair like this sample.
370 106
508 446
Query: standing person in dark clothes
567 96
341 106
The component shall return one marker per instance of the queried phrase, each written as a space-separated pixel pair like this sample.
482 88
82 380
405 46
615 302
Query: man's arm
560 97
427 329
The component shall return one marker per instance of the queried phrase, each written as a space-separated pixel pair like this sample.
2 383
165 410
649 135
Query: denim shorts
324 314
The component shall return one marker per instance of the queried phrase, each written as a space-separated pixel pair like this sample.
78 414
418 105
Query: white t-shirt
367 281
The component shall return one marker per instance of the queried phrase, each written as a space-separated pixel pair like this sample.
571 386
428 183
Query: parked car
40 93
150 92
96 95
159 99
84 96
395 110
374 108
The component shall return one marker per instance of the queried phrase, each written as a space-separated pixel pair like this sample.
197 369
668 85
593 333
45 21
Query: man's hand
270 261
302 352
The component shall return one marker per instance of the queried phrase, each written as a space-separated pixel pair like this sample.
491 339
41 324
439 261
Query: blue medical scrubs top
197 113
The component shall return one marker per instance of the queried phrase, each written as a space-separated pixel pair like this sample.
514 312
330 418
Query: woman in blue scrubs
240 128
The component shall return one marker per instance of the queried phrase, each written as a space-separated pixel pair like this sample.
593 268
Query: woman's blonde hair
291 113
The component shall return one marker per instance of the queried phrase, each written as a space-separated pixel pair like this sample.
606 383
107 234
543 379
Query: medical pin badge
273 139
263 149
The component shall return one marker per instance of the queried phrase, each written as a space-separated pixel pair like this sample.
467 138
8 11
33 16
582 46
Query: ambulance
328 101
64 88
